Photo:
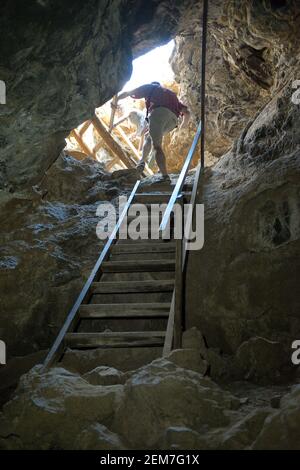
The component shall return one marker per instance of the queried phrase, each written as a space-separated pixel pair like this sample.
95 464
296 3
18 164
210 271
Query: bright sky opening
153 66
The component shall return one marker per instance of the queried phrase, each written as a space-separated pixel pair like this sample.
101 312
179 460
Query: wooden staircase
132 295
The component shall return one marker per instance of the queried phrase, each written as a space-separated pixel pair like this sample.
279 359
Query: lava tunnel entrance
115 138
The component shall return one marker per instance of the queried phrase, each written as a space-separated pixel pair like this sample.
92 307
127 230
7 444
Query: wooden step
144 219
142 256
163 187
144 248
137 266
149 241
128 287
115 339
152 198
156 197
125 310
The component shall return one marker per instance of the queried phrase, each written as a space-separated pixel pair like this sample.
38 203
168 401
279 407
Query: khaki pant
161 121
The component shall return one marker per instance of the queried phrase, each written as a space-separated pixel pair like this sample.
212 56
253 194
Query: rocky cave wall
46 253
59 60
242 287
253 51
247 286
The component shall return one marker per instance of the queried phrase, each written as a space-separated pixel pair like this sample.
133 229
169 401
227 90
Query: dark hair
155 83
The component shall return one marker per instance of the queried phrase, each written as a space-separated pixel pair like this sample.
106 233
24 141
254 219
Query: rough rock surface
252 226
242 286
48 246
53 403
103 375
61 60
160 406
281 428
252 52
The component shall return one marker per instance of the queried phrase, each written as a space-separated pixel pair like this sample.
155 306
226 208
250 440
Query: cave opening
129 117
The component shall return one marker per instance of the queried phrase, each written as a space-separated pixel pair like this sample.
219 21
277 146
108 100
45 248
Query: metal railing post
178 317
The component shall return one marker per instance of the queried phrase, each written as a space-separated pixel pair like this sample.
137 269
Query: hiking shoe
163 179
166 179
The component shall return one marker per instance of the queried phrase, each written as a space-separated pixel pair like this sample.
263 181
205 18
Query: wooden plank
152 198
57 347
139 241
115 339
170 329
81 143
112 143
125 310
97 147
141 144
144 248
129 287
120 122
164 187
113 112
175 320
178 297
171 336
128 142
137 266
113 162
84 127
189 220
158 197
180 182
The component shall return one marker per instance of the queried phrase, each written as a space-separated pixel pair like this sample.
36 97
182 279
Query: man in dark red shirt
163 110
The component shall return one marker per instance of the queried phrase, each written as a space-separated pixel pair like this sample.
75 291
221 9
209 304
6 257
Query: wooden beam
128 142
141 144
113 112
112 143
178 314
116 127
168 344
134 150
74 133
120 122
113 162
84 127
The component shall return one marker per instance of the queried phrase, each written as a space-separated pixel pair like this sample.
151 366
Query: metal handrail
84 293
180 181
174 327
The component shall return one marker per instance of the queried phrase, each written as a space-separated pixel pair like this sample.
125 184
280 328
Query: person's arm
137 93
125 94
